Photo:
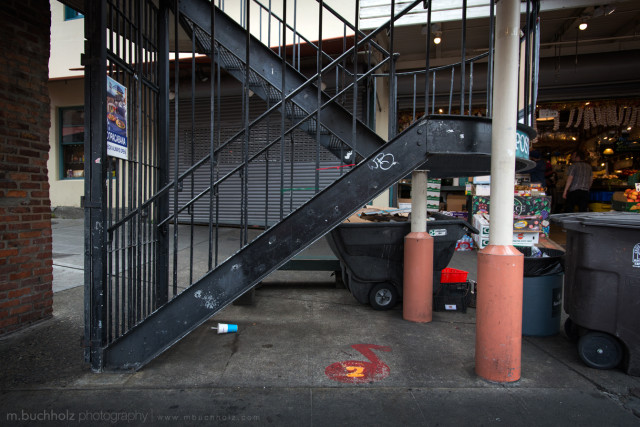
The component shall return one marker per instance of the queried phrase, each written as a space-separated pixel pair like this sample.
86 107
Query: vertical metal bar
212 155
139 63
247 129
158 29
368 89
463 57
319 95
375 92
427 60
337 79
344 63
291 167
433 94
95 170
260 24
162 255
266 175
144 129
176 142
451 88
299 54
470 87
392 75
219 139
295 31
354 117
527 65
283 110
269 28
413 113
111 319
536 59
192 159
492 24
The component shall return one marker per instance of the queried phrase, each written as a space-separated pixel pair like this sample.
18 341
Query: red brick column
25 212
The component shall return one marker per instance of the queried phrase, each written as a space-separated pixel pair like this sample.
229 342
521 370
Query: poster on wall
116 119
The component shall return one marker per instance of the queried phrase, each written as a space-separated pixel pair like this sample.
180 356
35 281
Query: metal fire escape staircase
446 145
265 79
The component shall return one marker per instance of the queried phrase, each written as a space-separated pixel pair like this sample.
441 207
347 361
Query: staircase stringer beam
269 251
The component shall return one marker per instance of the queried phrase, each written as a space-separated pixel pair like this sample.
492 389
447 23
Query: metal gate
299 159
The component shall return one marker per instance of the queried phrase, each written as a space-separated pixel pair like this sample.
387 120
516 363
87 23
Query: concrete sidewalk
277 369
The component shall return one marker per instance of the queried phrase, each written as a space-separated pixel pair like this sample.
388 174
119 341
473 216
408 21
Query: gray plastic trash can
542 292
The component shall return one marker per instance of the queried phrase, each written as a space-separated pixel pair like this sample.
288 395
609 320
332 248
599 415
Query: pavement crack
424 418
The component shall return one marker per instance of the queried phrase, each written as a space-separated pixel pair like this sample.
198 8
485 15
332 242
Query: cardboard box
482 190
404 203
531 236
456 202
539 206
519 239
481 222
526 223
619 196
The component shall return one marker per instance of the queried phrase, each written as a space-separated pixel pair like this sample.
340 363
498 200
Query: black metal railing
226 129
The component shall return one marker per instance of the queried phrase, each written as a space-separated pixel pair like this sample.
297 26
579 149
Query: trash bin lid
603 219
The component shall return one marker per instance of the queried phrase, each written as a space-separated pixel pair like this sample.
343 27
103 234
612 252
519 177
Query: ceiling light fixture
436 29
607 151
583 26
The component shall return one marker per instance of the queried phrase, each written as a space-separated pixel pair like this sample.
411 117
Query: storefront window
72 142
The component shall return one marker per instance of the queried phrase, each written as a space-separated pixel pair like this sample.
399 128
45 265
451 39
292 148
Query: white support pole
418 201
417 302
500 265
505 118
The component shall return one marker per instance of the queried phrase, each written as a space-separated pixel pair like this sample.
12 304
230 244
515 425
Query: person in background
537 173
579 179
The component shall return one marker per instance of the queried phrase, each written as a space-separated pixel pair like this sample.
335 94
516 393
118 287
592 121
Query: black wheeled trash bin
542 291
372 255
602 287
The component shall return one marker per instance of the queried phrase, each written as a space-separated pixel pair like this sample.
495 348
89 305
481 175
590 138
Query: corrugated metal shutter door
230 191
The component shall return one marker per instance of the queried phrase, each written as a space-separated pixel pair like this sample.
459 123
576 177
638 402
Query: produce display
632 197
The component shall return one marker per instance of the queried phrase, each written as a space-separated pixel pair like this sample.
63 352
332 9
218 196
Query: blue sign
522 145
116 119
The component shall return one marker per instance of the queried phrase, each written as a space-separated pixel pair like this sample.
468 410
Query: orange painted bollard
499 313
417 303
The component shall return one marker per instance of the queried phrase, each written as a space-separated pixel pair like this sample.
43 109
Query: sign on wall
116 119
522 145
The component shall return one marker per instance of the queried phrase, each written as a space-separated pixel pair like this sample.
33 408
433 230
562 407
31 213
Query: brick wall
25 213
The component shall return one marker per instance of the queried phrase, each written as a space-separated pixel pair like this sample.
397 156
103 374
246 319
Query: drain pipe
500 265
417 302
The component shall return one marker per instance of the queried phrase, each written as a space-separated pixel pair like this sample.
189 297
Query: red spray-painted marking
360 371
335 167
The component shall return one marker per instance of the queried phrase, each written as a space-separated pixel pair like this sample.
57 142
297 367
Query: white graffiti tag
382 161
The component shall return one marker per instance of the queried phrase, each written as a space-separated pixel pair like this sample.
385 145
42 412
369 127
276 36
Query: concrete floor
277 369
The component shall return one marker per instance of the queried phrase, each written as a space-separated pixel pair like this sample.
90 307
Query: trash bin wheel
383 296
571 330
599 350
